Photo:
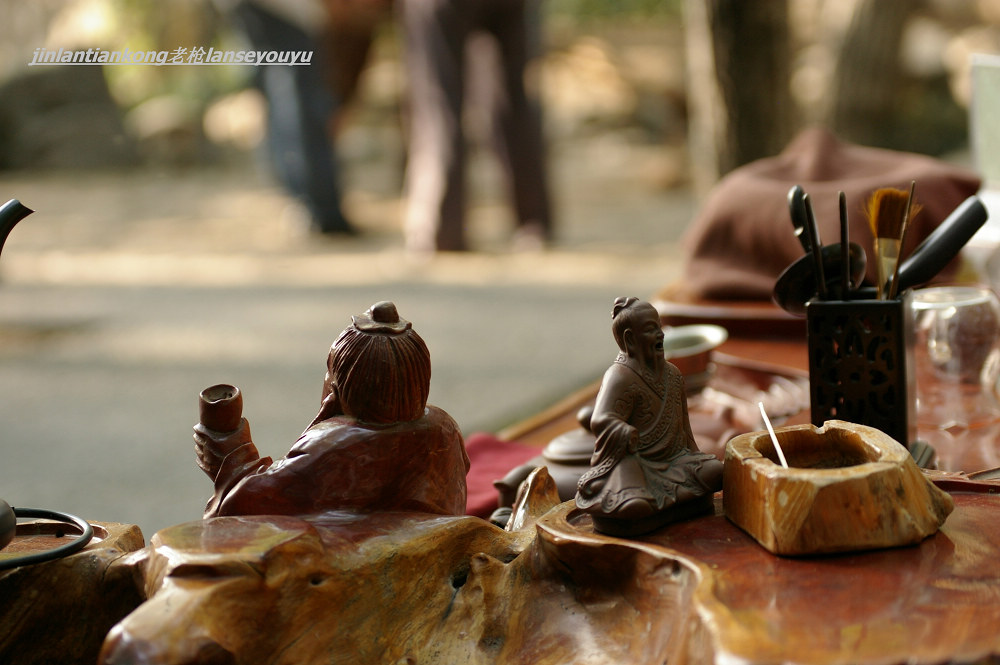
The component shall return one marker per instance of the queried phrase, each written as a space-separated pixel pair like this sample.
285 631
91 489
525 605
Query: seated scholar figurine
646 469
374 446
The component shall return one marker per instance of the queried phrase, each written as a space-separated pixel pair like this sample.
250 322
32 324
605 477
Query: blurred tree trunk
865 100
738 84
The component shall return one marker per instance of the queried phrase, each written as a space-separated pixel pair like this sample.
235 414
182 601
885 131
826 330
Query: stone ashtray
847 487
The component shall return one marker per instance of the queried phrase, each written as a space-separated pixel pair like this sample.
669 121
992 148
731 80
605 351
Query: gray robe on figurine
665 462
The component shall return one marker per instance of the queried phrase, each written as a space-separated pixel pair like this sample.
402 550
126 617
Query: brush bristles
889 212
886 210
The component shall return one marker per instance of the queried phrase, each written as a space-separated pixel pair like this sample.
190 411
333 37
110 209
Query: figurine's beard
654 359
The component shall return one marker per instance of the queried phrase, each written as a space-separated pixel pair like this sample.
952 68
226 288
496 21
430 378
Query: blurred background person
444 51
303 101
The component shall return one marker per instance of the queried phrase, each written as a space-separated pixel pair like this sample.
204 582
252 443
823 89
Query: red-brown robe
342 464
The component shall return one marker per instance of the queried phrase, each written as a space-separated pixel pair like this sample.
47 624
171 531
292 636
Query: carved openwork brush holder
847 487
861 366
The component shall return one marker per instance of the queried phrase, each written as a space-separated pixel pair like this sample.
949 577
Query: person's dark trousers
437 35
300 106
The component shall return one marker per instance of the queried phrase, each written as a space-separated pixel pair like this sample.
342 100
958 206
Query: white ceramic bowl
690 347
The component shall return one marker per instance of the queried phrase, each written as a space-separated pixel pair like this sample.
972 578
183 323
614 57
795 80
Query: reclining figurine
374 446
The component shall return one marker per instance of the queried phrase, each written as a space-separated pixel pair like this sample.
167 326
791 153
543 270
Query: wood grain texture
406 588
849 487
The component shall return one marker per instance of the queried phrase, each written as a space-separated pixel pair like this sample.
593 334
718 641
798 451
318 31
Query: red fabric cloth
742 238
490 459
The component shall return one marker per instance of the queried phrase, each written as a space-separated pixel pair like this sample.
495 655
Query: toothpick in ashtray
774 437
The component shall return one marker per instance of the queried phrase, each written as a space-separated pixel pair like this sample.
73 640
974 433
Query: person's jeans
300 105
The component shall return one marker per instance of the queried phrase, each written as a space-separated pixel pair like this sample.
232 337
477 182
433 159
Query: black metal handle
77 544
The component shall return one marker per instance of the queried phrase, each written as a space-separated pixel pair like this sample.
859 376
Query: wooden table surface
934 602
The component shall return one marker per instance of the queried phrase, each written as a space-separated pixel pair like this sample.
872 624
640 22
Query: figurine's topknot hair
621 303
621 318
381 368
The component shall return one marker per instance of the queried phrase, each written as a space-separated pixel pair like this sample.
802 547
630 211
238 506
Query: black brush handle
817 247
845 244
11 213
943 244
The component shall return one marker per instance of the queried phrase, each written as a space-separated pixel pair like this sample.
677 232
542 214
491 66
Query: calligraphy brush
816 246
845 250
886 210
911 210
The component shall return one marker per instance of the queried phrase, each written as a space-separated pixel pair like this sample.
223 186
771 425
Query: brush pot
861 364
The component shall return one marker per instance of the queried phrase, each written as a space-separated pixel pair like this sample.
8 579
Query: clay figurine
374 446
646 470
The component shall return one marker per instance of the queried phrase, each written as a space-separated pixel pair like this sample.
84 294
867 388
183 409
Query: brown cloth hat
743 238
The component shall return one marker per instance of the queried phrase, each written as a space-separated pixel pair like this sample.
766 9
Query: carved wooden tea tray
59 611
404 588
932 602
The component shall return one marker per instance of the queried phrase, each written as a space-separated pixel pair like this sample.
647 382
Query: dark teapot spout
11 213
